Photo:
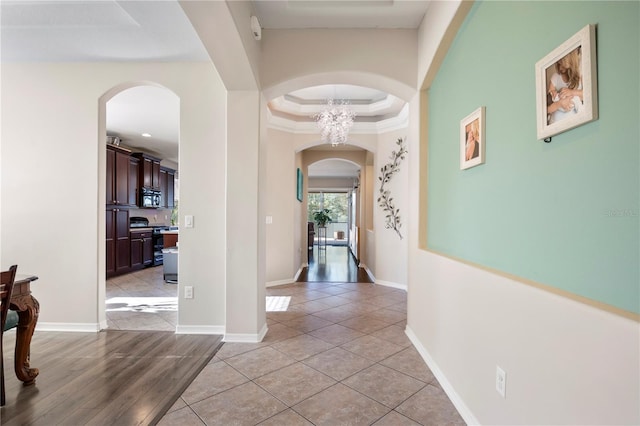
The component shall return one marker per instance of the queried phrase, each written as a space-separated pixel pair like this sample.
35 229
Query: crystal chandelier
335 121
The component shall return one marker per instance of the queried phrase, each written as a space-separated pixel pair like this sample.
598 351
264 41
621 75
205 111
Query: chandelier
335 121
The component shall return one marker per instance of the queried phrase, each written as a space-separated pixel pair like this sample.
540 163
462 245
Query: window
336 202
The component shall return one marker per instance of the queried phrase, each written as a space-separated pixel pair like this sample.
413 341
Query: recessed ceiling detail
90 31
375 110
34 15
333 168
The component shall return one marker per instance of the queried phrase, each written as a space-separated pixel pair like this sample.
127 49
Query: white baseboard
368 271
287 281
279 282
300 272
200 329
462 408
390 284
69 326
246 337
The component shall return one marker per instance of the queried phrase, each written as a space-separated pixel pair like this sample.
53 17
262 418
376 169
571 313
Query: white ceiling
146 109
340 13
333 168
99 31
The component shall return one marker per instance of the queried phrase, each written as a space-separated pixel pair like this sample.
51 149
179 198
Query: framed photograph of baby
566 85
472 141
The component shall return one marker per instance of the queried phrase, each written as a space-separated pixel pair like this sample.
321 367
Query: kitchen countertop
170 231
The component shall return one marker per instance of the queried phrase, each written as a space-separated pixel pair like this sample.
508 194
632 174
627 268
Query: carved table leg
28 314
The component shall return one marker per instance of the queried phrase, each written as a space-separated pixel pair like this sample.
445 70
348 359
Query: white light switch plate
188 221
501 382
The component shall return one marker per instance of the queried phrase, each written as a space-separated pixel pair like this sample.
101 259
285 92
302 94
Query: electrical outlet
188 292
501 381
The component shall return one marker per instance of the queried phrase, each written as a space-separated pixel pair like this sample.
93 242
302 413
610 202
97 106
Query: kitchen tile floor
336 355
142 301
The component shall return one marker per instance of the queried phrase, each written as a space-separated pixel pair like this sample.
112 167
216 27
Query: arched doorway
296 143
333 189
142 129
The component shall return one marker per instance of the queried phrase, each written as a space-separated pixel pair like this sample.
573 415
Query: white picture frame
556 74
472 139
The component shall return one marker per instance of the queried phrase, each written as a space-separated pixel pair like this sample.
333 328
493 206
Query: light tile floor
141 301
337 356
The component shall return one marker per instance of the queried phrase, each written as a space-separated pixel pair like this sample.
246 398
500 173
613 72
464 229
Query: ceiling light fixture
335 121
146 135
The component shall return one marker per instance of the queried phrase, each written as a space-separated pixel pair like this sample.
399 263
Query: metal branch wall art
385 200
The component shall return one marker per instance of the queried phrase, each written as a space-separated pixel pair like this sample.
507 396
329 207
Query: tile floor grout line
342 381
296 326
310 396
195 413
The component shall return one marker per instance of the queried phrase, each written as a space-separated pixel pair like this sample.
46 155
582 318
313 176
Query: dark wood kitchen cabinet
117 241
118 165
134 197
149 171
141 249
167 186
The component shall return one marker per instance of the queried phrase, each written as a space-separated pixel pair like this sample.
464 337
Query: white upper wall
225 32
281 208
391 253
53 190
380 59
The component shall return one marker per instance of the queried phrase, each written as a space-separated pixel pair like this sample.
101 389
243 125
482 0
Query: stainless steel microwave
150 198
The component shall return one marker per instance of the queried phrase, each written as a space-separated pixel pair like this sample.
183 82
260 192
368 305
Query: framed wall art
472 139
566 85
299 182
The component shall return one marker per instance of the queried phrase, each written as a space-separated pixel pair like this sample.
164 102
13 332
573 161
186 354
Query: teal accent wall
564 214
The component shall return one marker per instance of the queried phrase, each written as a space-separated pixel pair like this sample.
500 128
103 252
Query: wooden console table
28 309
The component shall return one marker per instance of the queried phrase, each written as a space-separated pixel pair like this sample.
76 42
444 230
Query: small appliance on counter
138 222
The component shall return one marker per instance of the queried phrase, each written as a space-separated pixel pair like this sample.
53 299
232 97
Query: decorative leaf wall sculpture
385 200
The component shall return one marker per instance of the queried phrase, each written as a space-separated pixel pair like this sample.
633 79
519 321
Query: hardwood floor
333 264
120 377
108 378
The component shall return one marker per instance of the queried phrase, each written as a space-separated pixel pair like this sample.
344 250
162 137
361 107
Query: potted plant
322 217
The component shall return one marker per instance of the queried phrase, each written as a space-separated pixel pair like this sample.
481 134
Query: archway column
245 281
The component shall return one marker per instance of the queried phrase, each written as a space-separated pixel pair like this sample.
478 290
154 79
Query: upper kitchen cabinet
167 186
118 167
134 187
149 171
